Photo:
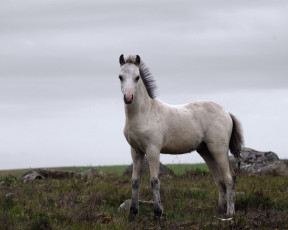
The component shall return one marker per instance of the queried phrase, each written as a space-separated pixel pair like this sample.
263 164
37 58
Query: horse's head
129 77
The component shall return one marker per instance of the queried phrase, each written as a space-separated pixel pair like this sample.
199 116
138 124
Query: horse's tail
236 140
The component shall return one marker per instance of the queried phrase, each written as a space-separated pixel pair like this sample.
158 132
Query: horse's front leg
136 181
154 163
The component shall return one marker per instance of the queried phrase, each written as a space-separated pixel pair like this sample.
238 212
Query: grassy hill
189 200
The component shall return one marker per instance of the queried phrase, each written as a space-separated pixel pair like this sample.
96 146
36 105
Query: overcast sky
60 98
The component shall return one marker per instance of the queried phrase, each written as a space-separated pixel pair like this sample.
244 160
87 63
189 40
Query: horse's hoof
132 214
157 214
131 217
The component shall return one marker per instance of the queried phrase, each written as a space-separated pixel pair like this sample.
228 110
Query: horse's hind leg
227 175
211 163
136 181
154 163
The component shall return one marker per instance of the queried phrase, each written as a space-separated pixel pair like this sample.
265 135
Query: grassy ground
117 169
189 200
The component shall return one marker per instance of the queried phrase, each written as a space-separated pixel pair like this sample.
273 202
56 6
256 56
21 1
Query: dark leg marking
222 204
155 184
135 199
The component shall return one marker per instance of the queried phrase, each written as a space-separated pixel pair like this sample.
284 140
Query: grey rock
32 175
163 170
125 206
257 162
4 185
48 173
92 172
10 195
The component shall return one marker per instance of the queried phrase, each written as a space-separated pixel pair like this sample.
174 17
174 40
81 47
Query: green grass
117 169
15 172
189 200
183 168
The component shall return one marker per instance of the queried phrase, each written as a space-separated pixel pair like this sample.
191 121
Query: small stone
125 206
32 175
10 195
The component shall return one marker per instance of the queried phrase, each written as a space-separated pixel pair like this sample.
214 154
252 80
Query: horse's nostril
129 99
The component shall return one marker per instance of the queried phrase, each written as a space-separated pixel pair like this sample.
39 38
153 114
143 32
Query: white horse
153 127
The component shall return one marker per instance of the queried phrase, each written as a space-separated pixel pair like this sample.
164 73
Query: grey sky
60 101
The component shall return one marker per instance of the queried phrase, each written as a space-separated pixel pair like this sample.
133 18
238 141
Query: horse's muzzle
128 100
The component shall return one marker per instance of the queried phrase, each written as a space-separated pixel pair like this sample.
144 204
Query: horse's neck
141 104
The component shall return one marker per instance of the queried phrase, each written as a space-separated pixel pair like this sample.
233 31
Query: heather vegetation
189 199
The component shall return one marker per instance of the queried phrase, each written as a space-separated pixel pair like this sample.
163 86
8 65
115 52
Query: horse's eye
121 78
137 78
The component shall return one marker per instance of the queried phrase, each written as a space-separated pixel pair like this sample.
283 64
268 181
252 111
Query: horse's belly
182 136
179 147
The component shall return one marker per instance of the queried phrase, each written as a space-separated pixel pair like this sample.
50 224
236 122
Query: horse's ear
138 60
121 59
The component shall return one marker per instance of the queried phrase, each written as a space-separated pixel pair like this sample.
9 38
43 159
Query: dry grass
189 200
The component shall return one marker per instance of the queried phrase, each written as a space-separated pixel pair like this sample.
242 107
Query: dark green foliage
189 200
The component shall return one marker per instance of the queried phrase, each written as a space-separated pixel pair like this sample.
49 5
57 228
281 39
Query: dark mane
146 76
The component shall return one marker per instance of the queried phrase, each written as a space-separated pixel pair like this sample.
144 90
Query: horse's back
208 112
192 124
198 115
210 115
